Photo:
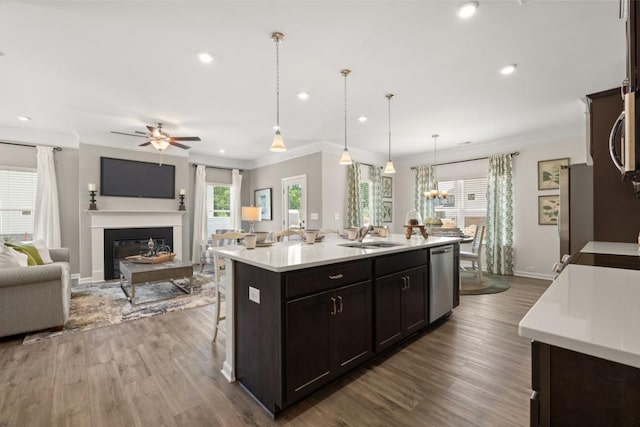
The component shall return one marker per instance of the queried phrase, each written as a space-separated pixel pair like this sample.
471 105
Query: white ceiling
82 69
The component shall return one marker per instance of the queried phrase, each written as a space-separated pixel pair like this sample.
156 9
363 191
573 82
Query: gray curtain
499 234
425 181
375 174
354 211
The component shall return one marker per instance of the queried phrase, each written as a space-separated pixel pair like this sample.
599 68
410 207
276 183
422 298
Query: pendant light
345 159
278 144
435 193
389 167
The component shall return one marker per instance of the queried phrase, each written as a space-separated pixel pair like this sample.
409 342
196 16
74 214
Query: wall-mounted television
130 178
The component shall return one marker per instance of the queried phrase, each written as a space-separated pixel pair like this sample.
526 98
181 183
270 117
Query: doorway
294 202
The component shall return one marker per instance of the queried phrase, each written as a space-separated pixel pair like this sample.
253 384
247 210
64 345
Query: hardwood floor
473 370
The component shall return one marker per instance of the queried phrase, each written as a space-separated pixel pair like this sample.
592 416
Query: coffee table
136 274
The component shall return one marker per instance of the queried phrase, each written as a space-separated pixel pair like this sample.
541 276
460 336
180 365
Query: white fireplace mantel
101 220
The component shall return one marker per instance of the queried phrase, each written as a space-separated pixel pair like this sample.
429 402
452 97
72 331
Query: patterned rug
490 284
95 305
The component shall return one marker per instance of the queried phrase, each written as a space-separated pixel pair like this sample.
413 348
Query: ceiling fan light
389 167
467 9
160 144
345 159
277 146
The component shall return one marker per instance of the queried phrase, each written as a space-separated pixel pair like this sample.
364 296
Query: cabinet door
309 339
353 327
388 310
414 300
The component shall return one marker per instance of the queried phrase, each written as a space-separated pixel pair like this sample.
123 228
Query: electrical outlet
314 216
336 216
254 294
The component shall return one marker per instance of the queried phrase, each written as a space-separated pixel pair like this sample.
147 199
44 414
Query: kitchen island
300 315
586 340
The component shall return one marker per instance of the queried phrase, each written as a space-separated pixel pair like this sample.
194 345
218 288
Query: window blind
17 202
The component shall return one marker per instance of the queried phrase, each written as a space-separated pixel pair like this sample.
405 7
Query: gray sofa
37 297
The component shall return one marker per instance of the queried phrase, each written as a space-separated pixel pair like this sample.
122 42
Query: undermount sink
370 245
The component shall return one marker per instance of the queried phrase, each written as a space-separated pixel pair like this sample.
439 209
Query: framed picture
548 208
387 210
263 200
387 187
549 173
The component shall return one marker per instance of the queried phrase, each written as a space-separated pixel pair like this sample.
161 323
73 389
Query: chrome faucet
363 231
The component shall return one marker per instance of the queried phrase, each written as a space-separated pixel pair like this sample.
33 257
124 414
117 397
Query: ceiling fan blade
128 134
144 144
141 133
185 138
175 144
151 128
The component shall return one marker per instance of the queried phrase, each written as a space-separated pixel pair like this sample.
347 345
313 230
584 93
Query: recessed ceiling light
362 119
205 57
24 118
222 151
467 9
508 69
303 96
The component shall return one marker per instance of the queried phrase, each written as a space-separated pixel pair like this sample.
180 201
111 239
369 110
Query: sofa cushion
43 251
30 251
7 259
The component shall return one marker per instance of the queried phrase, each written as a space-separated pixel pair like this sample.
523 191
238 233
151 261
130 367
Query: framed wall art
387 187
549 173
548 209
263 200
387 211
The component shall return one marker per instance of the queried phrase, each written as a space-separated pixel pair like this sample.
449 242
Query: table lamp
251 214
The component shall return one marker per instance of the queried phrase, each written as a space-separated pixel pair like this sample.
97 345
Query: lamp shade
345 159
389 167
251 213
278 144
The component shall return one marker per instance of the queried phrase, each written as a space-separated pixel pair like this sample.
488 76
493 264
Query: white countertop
295 255
591 310
612 248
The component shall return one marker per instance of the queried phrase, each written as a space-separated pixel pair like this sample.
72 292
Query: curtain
199 213
354 211
499 234
46 224
236 199
425 181
375 174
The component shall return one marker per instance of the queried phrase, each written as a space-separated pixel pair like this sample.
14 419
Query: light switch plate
336 216
254 294
314 216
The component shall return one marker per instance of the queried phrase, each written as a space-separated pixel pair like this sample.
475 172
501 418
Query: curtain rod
515 153
217 167
368 164
27 145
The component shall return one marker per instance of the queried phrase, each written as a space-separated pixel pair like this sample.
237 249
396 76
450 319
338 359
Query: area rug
490 284
95 305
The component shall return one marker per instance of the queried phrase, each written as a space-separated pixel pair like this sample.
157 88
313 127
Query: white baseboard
534 275
84 280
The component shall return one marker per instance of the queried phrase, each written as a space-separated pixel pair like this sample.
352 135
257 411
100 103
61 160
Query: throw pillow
41 246
23 260
7 260
30 251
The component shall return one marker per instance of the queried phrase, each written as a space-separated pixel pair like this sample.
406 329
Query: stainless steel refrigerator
575 221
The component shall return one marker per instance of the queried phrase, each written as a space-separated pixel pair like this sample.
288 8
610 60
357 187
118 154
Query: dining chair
219 262
279 235
475 256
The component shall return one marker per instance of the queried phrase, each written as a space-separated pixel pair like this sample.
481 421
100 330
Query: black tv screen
130 178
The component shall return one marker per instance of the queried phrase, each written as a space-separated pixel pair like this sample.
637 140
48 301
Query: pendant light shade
345 159
389 167
278 143
435 193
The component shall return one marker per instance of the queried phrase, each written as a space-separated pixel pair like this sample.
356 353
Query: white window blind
17 203
467 203
218 207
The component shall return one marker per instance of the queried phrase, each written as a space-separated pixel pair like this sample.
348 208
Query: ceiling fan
159 139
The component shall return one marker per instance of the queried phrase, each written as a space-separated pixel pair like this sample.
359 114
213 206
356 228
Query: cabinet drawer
398 262
327 277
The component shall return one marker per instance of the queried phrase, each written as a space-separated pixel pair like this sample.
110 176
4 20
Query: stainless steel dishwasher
440 281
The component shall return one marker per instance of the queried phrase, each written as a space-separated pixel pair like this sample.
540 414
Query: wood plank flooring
473 370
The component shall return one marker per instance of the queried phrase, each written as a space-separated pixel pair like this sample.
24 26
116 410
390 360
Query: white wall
334 192
536 247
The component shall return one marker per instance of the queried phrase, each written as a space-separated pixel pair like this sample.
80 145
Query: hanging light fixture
278 144
389 167
345 159
435 193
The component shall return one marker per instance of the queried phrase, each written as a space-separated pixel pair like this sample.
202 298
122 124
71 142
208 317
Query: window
366 202
218 207
17 203
466 205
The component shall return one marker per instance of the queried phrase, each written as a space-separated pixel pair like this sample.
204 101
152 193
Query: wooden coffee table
136 274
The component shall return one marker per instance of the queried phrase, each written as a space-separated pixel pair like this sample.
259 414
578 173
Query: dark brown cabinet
327 334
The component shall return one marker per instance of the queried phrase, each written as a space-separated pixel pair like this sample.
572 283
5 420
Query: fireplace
120 243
